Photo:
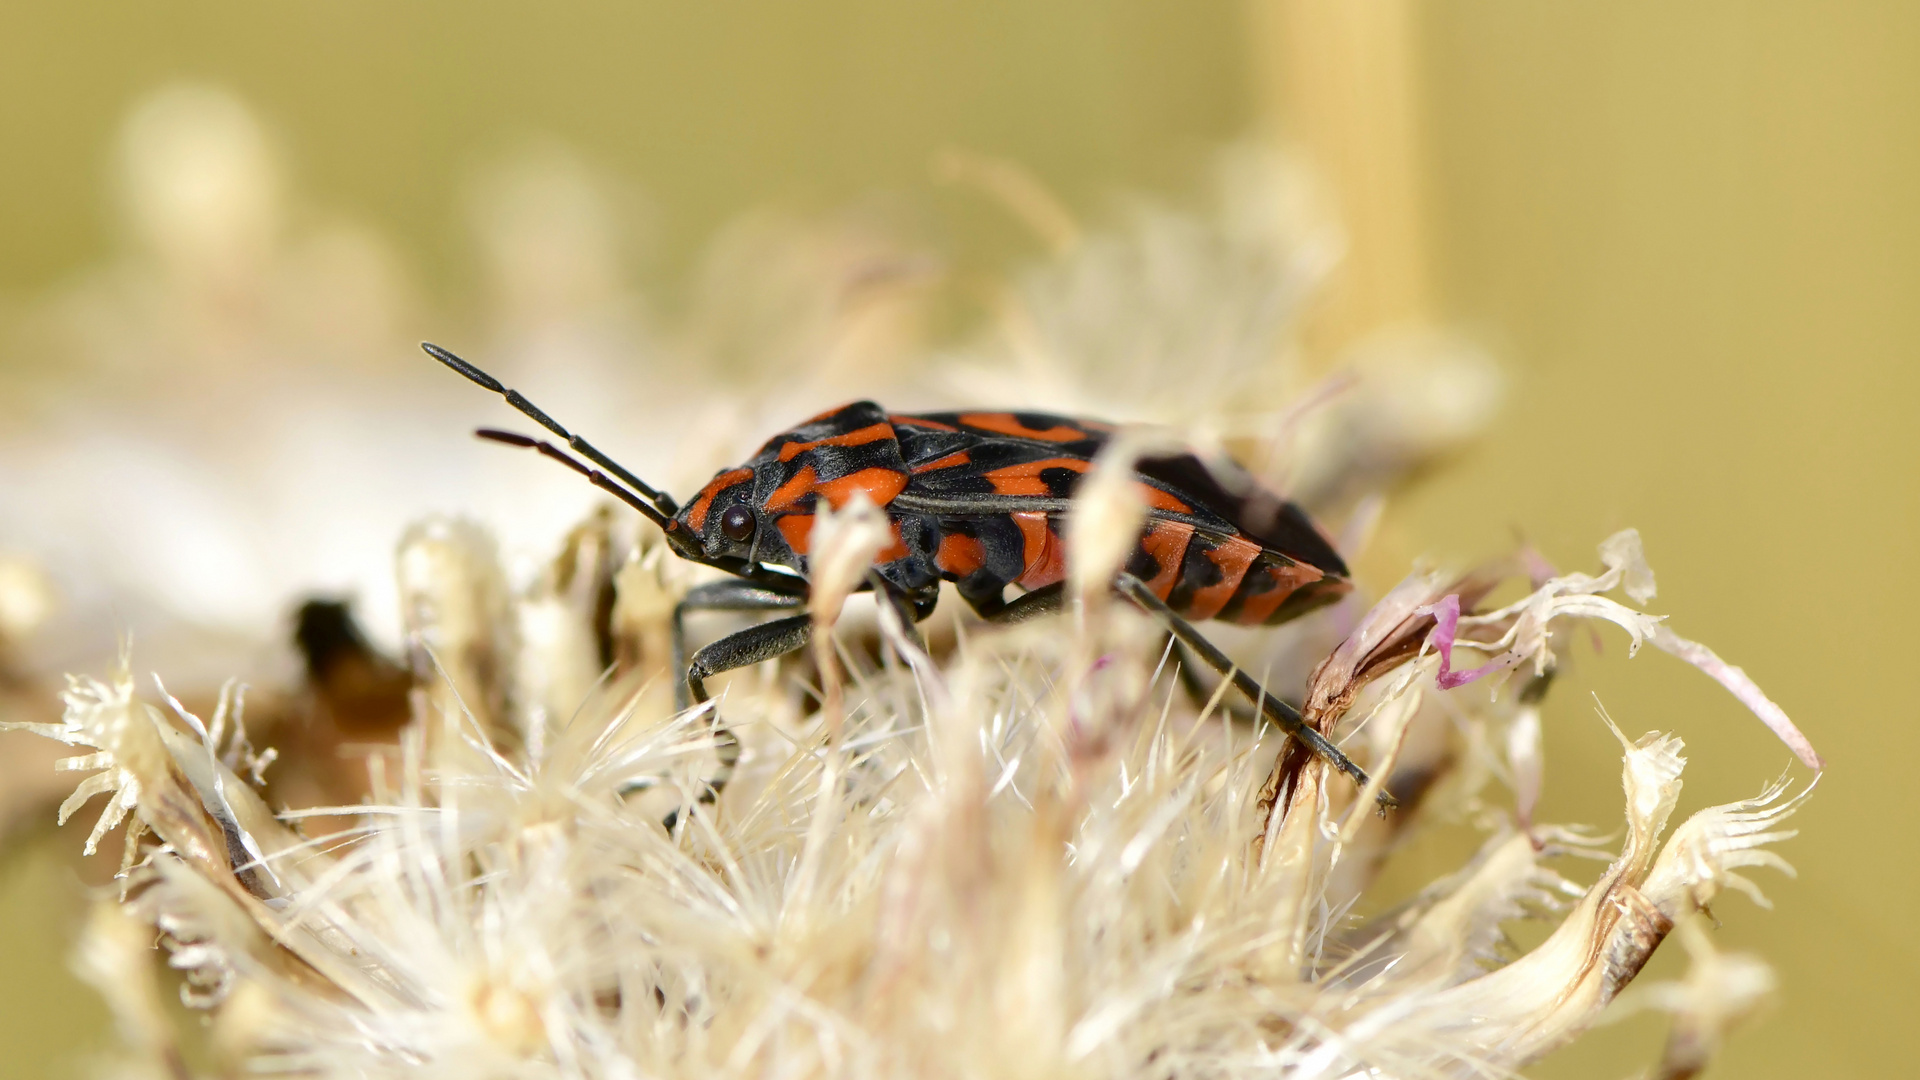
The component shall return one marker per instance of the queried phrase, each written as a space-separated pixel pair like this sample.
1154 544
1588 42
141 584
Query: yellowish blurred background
1689 233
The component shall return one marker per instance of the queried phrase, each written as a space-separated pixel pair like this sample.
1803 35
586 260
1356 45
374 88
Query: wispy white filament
967 874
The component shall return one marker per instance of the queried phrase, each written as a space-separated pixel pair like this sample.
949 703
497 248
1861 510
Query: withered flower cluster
1019 853
992 852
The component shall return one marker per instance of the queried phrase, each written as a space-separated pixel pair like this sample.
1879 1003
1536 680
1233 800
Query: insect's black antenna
663 503
599 479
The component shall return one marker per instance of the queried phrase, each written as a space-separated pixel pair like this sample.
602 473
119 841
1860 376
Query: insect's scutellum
976 499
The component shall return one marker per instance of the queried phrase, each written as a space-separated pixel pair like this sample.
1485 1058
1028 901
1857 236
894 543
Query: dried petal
1742 687
844 543
1105 522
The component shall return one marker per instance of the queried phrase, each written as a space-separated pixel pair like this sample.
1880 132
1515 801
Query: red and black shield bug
975 498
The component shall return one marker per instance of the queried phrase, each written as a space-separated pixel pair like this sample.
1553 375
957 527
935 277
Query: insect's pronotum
975 498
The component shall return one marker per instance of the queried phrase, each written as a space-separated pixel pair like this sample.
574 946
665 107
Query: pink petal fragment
1446 620
1539 570
1742 687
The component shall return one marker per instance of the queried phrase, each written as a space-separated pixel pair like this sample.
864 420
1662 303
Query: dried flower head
998 861
1039 850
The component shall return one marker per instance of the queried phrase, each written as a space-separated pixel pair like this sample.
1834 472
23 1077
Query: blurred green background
1691 233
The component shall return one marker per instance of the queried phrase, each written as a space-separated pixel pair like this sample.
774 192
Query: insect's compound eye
737 522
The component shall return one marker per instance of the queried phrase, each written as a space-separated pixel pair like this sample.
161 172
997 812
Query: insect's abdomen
1199 574
1206 576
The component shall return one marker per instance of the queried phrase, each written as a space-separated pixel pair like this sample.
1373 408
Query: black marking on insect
975 498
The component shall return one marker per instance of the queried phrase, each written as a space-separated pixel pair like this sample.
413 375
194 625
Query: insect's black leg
1197 691
746 648
1282 714
910 607
728 595
737 650
1045 600
726 654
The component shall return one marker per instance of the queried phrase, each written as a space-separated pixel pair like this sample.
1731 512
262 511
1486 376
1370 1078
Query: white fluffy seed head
1105 521
844 543
1017 855
957 871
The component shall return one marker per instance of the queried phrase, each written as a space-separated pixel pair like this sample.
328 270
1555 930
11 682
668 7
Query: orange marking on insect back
1258 609
856 437
697 513
948 462
789 494
1160 500
1167 542
1007 424
896 550
881 485
960 554
1044 554
1233 556
921 421
798 531
1024 479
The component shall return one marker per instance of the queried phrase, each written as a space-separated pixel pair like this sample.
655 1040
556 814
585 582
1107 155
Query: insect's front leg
746 648
743 648
1282 714
727 595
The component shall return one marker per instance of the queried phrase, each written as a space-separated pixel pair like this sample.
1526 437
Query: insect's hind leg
1283 715
1053 598
1186 670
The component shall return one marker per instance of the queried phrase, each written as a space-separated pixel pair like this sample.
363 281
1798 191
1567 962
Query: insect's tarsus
662 502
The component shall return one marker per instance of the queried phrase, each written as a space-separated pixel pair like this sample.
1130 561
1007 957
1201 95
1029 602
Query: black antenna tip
511 438
463 367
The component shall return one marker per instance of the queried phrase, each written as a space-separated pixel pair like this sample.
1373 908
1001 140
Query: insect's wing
954 443
1040 456
1002 474
1231 494
1081 438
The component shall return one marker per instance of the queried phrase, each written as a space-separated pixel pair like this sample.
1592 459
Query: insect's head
762 513
723 520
